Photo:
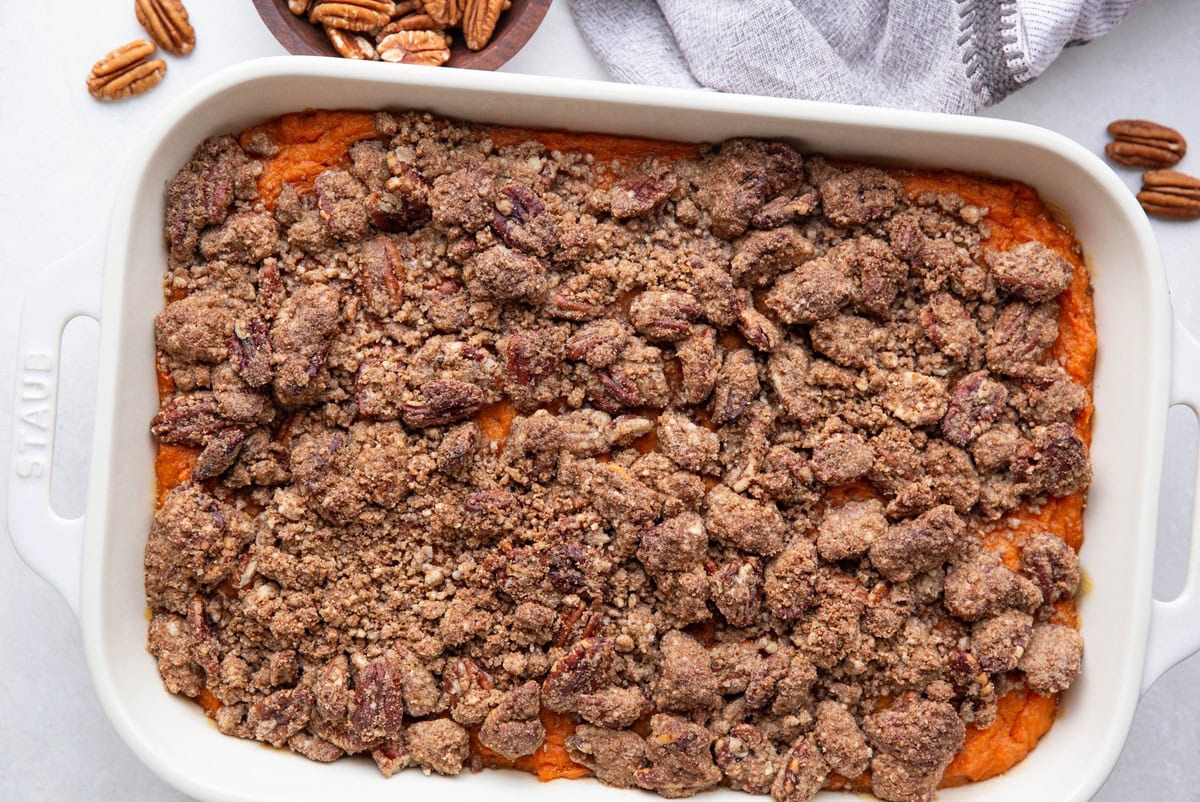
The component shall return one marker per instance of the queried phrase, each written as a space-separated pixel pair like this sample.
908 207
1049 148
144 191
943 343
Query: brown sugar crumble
680 466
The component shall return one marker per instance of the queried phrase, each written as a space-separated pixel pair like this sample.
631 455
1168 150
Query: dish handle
1175 624
48 543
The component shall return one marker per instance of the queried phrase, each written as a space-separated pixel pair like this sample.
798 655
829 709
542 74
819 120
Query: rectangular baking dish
1132 393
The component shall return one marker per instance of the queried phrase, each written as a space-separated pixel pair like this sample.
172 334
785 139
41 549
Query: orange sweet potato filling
495 420
209 703
308 143
172 463
549 762
1022 719
312 141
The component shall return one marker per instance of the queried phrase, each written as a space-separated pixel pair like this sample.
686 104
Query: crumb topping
698 452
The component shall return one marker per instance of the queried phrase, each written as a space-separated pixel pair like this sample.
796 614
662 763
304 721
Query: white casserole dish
1130 638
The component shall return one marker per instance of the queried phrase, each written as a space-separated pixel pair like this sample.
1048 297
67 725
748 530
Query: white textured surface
62 152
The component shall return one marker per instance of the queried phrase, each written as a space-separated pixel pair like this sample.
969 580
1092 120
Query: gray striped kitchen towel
937 55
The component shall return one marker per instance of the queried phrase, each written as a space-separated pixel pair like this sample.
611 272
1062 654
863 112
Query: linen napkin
936 55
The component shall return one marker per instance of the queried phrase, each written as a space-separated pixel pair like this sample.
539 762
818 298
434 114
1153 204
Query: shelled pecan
1141 143
353 15
1169 193
415 47
167 23
479 20
126 71
350 45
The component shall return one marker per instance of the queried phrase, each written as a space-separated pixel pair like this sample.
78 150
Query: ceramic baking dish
1130 638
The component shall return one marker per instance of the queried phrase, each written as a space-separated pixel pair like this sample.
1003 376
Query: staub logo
31 448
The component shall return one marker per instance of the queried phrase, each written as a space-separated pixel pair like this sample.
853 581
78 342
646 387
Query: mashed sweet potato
310 142
549 762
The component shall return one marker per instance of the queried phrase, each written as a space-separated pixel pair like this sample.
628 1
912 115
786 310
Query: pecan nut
445 12
188 420
381 276
1141 143
975 404
758 330
639 194
584 669
167 23
429 48
353 15
736 386
522 222
376 706
479 21
126 71
220 454
416 21
513 728
250 351
737 589
562 304
1168 193
280 715
446 401
348 45
298 7
664 314
469 691
599 344
403 208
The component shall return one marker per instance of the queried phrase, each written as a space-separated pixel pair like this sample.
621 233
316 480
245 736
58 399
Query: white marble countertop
62 152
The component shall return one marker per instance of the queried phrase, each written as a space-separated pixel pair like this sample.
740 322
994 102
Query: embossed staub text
35 390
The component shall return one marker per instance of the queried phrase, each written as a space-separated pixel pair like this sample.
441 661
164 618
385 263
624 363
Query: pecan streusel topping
686 466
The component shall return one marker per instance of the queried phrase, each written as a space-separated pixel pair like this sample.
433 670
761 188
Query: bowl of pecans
477 34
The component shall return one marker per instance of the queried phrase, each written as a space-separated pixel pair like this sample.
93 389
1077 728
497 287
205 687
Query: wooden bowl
301 38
